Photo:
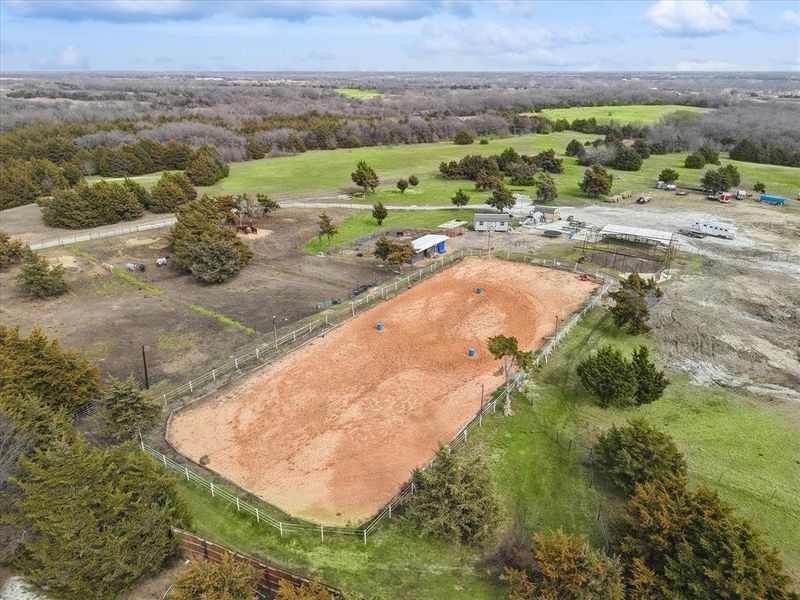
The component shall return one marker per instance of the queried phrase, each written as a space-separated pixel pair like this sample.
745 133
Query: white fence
269 351
99 235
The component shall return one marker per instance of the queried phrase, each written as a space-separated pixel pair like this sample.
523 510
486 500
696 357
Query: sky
399 35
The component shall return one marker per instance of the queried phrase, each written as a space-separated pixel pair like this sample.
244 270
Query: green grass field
363 224
634 113
328 172
359 93
542 485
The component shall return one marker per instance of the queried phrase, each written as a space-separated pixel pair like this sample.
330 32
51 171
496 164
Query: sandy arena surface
331 431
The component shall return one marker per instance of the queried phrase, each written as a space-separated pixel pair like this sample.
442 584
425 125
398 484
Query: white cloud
67 59
514 46
517 8
697 17
708 65
135 11
791 17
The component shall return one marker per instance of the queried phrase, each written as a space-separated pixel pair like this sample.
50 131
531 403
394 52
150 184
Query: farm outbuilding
493 221
629 249
549 213
453 228
429 245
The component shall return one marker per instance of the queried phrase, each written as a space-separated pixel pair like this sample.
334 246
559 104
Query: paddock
331 431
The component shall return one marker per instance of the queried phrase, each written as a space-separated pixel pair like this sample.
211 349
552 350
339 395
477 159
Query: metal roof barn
426 242
638 233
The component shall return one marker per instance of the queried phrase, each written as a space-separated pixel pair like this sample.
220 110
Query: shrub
484 142
453 499
564 567
759 187
546 189
413 180
402 185
379 212
463 138
206 167
609 376
365 177
227 580
709 154
460 199
596 182
125 409
547 161
638 453
642 147
501 198
39 279
694 161
12 251
313 590
36 366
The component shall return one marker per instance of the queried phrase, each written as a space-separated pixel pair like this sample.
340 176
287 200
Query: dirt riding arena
332 430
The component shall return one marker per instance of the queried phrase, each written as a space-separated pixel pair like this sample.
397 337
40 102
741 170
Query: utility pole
144 362
275 330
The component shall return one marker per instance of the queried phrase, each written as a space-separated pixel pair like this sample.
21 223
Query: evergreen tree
650 382
463 138
575 148
759 187
627 159
39 279
326 227
675 543
596 182
668 176
36 366
749 151
547 161
413 180
709 154
137 189
268 205
210 252
125 409
206 167
460 199
17 186
642 148
501 199
564 567
365 177
402 185
96 521
379 212
638 453
609 376
225 580
453 499
694 161
546 189
12 251
630 305
312 590
165 197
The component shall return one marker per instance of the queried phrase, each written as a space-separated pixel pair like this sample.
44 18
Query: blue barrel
478 291
380 326
472 352
440 248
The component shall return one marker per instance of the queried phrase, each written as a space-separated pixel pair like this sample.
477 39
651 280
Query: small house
492 221
453 228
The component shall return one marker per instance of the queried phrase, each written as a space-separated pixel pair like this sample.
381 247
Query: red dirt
331 431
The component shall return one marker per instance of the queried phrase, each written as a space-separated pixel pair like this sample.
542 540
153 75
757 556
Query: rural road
38 242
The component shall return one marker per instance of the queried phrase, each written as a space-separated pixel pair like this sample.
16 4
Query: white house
492 221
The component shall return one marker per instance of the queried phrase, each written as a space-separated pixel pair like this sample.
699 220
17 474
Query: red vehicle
725 198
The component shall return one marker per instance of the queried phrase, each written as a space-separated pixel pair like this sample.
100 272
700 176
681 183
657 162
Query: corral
331 431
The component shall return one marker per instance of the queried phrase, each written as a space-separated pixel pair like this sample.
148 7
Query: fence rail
99 235
272 350
270 577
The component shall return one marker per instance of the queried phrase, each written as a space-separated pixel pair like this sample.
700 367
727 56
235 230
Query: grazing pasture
630 113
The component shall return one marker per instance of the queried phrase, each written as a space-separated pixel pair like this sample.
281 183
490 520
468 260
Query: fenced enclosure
264 512
102 234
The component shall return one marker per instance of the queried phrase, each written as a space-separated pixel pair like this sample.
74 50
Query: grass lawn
744 446
359 93
634 113
363 224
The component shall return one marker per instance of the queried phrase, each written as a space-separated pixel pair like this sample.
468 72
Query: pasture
359 93
631 113
331 431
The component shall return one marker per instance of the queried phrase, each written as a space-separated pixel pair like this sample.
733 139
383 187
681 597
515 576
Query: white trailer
714 228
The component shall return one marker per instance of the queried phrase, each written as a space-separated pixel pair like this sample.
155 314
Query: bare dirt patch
331 431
